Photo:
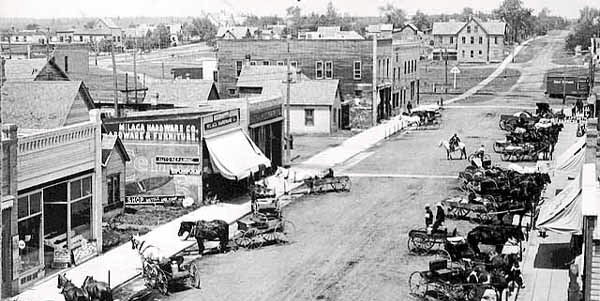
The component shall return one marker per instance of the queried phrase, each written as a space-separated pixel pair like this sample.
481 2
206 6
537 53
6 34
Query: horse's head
87 280
135 241
185 227
441 143
62 280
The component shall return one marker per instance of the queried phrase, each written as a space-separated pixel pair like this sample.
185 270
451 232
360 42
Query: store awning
562 214
234 155
570 160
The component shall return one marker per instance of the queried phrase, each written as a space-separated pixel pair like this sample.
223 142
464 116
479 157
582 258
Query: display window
29 208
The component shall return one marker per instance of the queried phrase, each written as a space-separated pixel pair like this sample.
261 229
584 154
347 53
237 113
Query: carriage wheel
279 237
417 284
194 280
287 227
420 243
346 183
442 254
505 156
244 240
462 212
162 283
498 148
502 124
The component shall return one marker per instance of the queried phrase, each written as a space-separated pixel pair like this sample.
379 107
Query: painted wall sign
152 199
220 122
265 114
185 172
177 160
84 252
185 131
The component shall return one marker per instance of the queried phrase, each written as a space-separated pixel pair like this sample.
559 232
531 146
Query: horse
69 290
147 251
97 290
491 235
203 230
461 148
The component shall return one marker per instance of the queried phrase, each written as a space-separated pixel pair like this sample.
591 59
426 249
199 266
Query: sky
184 8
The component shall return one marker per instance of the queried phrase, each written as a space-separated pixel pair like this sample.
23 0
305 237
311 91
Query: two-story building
102 29
405 73
473 41
349 61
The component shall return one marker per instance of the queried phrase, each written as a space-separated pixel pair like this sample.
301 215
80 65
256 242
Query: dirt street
353 246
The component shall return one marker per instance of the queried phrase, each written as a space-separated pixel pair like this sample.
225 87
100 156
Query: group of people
440 218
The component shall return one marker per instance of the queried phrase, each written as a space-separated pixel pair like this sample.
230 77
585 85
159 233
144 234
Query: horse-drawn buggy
428 116
160 275
328 183
525 151
422 241
262 229
521 119
480 210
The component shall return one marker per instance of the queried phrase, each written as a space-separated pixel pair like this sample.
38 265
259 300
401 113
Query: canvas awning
234 155
571 157
562 214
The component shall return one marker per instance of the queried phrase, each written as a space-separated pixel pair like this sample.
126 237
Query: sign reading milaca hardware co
220 121
152 199
265 114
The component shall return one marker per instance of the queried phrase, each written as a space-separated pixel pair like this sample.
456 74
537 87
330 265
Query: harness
140 250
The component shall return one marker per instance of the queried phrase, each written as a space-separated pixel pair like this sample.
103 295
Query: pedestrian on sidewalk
428 217
409 107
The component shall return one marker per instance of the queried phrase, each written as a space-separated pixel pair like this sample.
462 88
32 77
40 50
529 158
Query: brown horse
97 290
202 230
69 290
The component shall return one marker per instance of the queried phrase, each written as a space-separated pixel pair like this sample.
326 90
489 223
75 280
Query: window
471 53
464 40
394 75
468 29
329 69
451 40
463 53
215 75
472 40
415 66
114 191
252 63
294 64
475 29
280 63
80 38
441 40
357 70
29 208
405 67
231 91
66 63
238 67
387 68
358 93
319 69
309 117
265 63
16 38
396 57
480 40
480 52
495 40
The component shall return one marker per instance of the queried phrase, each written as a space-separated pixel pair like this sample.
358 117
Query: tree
466 13
587 26
205 29
89 24
421 21
332 16
393 15
516 17
32 26
161 36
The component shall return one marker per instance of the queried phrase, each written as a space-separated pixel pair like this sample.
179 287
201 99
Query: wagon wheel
148 274
346 183
498 148
461 212
502 124
194 279
279 237
442 254
269 237
162 283
244 240
505 156
420 243
417 284
287 228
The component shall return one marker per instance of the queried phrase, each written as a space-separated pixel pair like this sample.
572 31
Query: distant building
329 33
33 70
383 31
473 41
236 32
181 93
102 29
350 61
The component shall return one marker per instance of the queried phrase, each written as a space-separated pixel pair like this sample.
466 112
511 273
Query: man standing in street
409 107
428 217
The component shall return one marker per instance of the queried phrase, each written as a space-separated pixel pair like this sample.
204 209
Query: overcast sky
183 8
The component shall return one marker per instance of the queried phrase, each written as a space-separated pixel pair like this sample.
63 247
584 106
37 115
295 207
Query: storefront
56 203
265 127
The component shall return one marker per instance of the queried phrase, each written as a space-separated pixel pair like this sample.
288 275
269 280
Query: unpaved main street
352 246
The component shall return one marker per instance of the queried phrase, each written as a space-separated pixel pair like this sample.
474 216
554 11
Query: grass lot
529 51
502 83
306 146
565 57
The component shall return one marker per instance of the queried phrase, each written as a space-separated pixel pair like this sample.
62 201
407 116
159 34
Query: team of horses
90 290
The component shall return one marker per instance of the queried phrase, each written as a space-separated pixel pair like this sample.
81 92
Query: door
6 253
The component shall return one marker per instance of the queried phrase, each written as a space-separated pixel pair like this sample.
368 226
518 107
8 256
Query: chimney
247 60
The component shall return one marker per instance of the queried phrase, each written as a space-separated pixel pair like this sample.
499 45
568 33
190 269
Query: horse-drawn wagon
422 241
328 183
428 116
178 269
261 229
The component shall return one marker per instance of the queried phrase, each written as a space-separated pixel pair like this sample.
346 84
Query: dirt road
352 246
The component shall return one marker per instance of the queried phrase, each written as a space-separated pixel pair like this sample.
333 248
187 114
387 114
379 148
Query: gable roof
494 27
41 104
29 69
305 92
447 28
181 93
411 26
255 76
237 32
109 143
108 22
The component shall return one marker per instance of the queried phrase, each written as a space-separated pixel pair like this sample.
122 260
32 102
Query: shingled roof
447 28
182 93
109 143
41 104
255 76
31 69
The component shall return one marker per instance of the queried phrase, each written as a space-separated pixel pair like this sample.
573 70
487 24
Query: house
383 31
45 104
410 33
34 70
236 32
102 29
114 159
315 104
473 41
181 93
349 61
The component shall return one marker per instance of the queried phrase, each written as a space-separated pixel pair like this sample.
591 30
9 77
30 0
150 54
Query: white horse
461 148
147 251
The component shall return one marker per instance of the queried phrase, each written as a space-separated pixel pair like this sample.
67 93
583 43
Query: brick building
473 41
405 73
350 61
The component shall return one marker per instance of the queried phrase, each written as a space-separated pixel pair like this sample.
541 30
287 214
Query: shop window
114 191
358 93
309 117
357 70
319 69
81 213
29 242
329 69
56 193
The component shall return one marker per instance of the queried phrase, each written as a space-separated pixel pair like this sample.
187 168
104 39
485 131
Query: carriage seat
457 240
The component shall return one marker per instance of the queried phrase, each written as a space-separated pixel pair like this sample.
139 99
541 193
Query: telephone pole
114 68
374 102
135 74
288 151
564 82
446 70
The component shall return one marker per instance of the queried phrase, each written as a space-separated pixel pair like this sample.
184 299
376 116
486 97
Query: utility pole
163 69
446 69
564 82
48 44
126 87
135 73
288 151
374 102
114 68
